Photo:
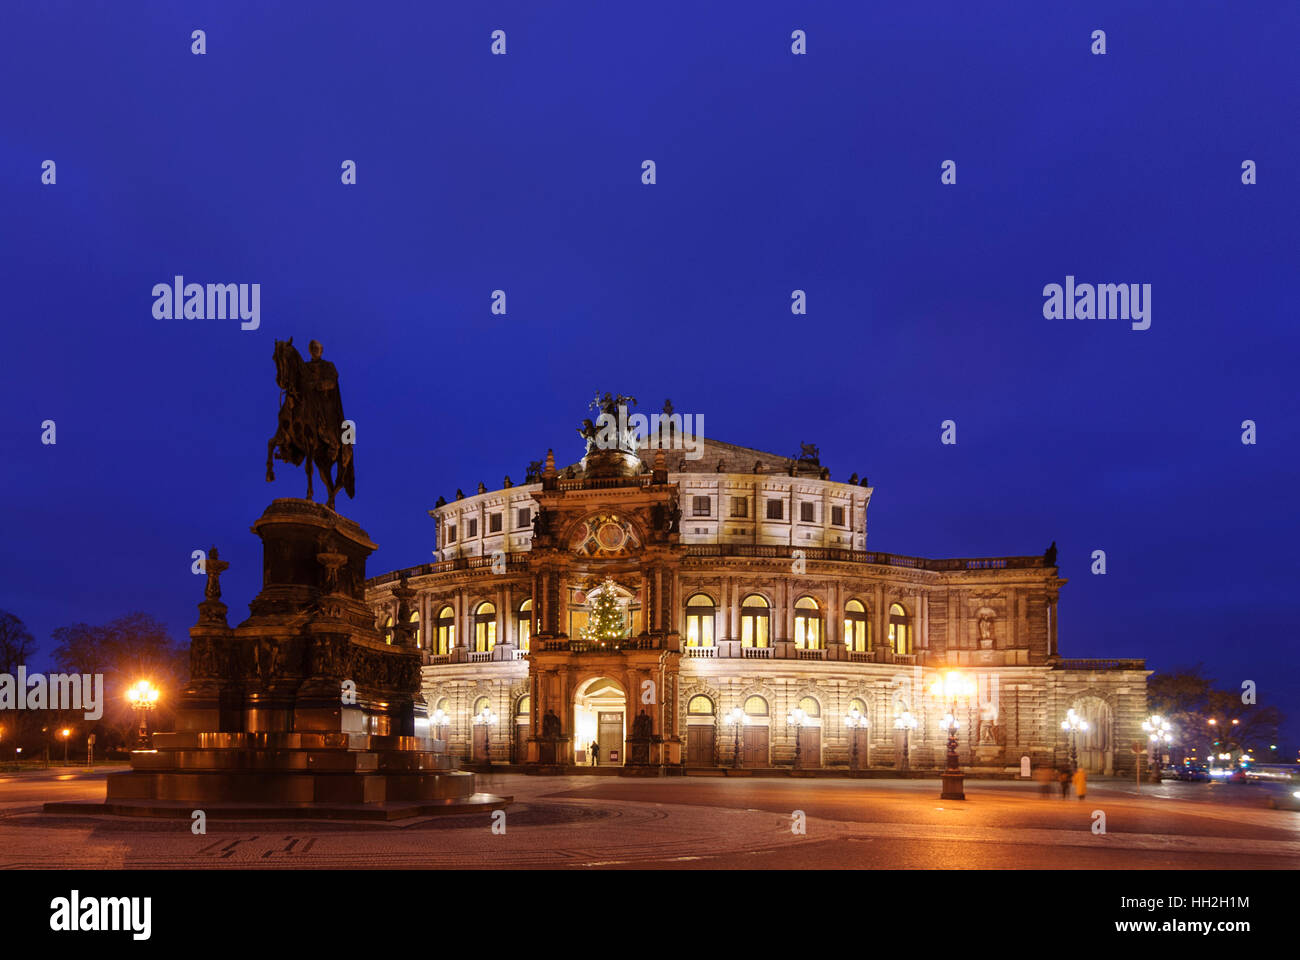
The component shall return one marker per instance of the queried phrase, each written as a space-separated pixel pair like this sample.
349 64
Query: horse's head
285 368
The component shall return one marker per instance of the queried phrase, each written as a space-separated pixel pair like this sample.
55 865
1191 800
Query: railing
757 653
478 656
438 658
514 561
705 652
602 483
859 656
1101 664
810 654
521 654
786 552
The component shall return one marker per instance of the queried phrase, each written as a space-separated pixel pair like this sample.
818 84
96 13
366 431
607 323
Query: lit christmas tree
606 623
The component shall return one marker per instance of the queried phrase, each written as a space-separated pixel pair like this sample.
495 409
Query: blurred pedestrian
1063 778
1043 774
595 753
1080 783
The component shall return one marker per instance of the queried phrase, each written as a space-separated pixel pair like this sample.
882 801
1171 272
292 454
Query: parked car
1191 772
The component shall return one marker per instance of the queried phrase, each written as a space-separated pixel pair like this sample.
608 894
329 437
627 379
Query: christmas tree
606 623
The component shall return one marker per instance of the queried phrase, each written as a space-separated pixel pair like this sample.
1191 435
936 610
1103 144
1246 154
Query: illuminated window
900 629
700 706
807 624
699 621
755 707
810 707
523 707
857 628
485 627
858 705
415 620
524 624
388 629
444 632
755 618
481 704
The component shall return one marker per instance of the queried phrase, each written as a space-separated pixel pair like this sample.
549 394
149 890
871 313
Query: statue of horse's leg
309 496
328 481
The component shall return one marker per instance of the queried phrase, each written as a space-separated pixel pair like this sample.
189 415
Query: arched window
443 704
857 628
755 707
524 624
444 631
481 704
858 705
755 618
699 621
388 629
807 624
523 707
415 621
810 707
700 706
900 629
485 627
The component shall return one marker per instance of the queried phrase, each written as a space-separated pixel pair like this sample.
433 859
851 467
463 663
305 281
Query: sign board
613 756
1025 770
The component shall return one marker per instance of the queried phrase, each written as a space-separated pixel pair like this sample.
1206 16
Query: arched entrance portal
1096 745
600 715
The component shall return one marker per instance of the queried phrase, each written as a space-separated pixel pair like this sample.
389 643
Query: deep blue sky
522 172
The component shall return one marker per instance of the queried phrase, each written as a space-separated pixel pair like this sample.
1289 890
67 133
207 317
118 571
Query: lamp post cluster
952 687
796 718
144 697
1159 735
855 720
1073 724
736 718
486 719
907 723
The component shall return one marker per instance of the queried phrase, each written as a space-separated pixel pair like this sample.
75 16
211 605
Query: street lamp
440 718
907 723
736 718
1159 733
795 718
855 720
144 697
65 733
487 720
1073 724
953 686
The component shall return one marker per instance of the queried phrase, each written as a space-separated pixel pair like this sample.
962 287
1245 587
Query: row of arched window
756 624
483 622
701 616
755 707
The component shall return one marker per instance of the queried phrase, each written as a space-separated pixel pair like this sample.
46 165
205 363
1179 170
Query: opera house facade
753 627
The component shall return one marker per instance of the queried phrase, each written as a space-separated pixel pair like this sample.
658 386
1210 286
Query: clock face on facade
605 535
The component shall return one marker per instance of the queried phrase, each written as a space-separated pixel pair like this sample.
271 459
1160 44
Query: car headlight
1296 794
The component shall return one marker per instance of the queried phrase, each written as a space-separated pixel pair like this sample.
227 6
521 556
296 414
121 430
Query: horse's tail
347 480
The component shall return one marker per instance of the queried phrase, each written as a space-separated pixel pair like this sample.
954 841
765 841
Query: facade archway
600 717
1096 745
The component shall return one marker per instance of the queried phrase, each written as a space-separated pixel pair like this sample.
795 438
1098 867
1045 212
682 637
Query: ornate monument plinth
304 709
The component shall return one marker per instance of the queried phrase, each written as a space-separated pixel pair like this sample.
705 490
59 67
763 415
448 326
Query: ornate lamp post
736 718
855 720
487 720
144 697
1159 733
795 718
952 687
907 723
440 718
1073 724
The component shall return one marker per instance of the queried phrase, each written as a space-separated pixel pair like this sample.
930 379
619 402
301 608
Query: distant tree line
1189 700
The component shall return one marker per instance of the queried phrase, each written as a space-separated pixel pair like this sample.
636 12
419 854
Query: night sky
775 172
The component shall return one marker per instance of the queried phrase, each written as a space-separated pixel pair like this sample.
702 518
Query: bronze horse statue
310 426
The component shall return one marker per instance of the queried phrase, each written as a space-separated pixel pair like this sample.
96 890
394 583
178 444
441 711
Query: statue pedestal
303 709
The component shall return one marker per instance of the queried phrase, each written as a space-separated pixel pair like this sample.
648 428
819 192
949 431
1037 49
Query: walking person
1080 783
595 753
1063 777
1043 774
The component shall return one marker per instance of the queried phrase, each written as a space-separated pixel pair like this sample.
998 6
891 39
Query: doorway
599 716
